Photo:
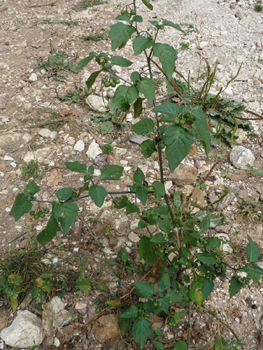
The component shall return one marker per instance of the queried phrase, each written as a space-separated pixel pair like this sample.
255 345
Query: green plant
260 61
84 4
31 169
97 37
181 254
258 6
56 66
184 45
107 149
255 171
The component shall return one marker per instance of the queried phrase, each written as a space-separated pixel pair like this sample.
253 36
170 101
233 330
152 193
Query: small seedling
258 6
184 45
107 149
84 4
31 169
97 37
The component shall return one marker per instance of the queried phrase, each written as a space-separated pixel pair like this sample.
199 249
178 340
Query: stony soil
230 32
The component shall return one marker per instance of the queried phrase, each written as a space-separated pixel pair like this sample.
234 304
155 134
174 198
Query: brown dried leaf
54 178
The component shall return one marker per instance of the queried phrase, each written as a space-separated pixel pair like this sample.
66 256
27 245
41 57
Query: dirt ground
31 30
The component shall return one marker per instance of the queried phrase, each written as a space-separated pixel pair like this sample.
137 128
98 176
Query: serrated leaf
105 128
213 243
123 255
138 176
31 188
76 166
64 193
174 296
235 286
97 194
49 232
21 206
144 289
92 78
137 107
143 126
207 287
164 283
131 208
147 250
148 148
129 313
252 251
167 55
120 61
207 258
158 238
119 34
82 63
111 172
141 330
164 226
254 272
170 109
140 43
83 284
174 25
69 210
179 141
125 325
146 86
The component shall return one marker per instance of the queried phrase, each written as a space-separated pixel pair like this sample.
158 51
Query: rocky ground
36 125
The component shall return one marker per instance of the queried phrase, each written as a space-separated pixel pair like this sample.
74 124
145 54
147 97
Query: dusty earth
230 32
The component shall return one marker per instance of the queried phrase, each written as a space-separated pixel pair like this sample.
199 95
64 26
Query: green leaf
158 238
180 345
131 208
143 126
174 25
174 296
38 294
254 272
207 287
147 4
64 193
135 76
49 232
105 127
158 345
202 134
123 18
123 255
164 283
147 250
31 188
140 43
111 172
142 194
137 107
141 330
179 141
142 224
125 325
144 289
186 252
119 34
146 86
92 78
167 55
177 198
213 243
205 223
137 18
252 251
76 166
21 206
13 303
138 176
70 212
131 312
235 286
82 63
164 226
159 189
97 194
207 258
120 61
124 96
148 148
83 284
170 109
